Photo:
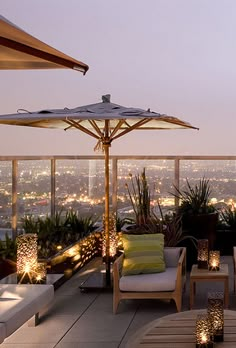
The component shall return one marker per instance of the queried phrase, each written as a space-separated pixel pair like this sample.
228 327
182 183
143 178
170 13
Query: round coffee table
177 331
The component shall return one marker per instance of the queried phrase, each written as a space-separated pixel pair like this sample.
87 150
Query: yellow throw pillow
143 253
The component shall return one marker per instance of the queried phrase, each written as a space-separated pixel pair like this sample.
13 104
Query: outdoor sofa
21 303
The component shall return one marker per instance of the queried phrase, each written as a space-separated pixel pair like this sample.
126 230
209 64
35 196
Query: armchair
164 285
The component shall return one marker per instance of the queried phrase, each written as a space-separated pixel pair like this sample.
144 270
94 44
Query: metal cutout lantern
215 312
26 255
202 253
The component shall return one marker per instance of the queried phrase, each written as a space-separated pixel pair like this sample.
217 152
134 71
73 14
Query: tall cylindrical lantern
215 310
26 257
202 253
214 260
203 332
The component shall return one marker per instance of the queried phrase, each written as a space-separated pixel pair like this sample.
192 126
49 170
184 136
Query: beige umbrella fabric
103 121
20 50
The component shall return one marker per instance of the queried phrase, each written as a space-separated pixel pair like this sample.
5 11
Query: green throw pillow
143 253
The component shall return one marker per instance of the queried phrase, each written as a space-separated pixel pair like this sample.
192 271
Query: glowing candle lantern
202 253
214 260
203 332
215 310
39 274
26 255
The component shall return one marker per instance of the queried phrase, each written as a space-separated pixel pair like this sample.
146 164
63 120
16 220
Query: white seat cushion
19 303
164 281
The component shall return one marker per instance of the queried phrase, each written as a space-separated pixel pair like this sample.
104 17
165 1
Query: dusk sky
176 57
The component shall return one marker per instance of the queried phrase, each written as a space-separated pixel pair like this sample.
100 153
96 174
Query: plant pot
202 227
225 240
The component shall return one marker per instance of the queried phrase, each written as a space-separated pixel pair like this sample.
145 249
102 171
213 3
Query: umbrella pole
106 145
94 282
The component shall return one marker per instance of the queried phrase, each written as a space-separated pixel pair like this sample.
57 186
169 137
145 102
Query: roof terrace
85 319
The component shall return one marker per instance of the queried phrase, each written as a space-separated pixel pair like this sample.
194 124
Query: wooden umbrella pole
106 145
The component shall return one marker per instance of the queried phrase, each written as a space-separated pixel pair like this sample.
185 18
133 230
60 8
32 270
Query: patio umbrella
20 50
103 121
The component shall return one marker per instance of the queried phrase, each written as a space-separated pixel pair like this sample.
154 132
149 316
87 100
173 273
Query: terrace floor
85 319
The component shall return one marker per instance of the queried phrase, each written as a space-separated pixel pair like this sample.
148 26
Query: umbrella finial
106 98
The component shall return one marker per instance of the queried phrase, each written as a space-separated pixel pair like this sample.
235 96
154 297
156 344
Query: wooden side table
178 331
204 275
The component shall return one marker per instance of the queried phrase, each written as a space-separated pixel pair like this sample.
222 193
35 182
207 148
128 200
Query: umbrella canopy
92 119
105 122
20 50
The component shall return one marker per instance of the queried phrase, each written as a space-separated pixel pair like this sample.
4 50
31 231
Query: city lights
79 185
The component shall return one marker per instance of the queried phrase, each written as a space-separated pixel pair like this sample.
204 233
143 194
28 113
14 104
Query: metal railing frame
114 169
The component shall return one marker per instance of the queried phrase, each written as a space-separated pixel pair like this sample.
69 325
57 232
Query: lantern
27 253
214 260
203 332
202 253
215 310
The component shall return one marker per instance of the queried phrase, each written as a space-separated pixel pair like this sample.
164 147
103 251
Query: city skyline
174 57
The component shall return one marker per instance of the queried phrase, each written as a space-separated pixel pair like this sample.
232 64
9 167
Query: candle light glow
214 260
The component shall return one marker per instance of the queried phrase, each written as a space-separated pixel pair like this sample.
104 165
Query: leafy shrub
57 230
8 248
228 216
195 199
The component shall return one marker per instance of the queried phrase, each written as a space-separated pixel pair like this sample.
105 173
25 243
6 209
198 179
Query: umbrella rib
83 129
181 123
135 126
117 128
96 128
43 55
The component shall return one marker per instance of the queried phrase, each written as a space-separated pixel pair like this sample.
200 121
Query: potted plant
174 235
226 230
140 198
199 216
228 217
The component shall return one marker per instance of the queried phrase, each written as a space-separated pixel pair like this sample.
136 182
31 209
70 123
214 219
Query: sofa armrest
181 273
117 267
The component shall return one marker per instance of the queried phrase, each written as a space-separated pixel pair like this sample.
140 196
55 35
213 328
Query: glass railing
40 186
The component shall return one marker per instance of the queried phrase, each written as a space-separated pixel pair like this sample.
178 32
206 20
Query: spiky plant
229 217
139 195
195 199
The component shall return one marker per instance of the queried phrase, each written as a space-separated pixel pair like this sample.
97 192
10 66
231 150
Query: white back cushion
171 256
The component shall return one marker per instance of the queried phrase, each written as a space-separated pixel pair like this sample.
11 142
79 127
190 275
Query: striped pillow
143 253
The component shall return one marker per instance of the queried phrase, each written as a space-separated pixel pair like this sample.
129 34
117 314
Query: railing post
114 185
53 187
14 198
176 180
